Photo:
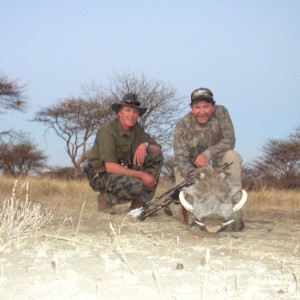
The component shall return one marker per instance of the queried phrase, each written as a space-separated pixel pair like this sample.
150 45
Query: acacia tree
161 99
75 120
11 98
21 158
10 94
279 164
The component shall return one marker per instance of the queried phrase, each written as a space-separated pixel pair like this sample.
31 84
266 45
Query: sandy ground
117 257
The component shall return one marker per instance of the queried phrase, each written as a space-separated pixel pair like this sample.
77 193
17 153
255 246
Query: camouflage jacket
214 139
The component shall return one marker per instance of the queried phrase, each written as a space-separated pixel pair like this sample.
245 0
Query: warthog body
211 204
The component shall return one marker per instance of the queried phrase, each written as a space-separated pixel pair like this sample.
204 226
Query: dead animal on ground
209 202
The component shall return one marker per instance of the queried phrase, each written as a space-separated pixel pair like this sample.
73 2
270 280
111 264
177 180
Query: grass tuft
19 217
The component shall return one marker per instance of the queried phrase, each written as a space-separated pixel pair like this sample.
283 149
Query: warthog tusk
216 228
200 224
227 223
241 203
184 203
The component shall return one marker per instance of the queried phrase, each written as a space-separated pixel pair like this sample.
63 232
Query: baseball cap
202 94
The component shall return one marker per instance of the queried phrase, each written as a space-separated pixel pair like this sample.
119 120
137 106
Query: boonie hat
130 100
202 94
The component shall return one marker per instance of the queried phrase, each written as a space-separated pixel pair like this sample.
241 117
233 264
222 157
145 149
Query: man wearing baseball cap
125 160
205 137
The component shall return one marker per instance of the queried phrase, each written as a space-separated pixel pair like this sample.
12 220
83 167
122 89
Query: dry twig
120 250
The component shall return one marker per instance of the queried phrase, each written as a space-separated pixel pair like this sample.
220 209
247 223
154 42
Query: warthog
210 203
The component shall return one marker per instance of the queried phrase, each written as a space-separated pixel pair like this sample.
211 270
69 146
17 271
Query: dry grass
19 216
271 199
71 194
53 193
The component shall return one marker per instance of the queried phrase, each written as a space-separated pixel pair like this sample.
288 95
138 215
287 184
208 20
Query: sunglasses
135 103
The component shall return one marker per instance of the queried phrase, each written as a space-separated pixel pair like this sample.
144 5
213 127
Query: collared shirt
113 144
213 138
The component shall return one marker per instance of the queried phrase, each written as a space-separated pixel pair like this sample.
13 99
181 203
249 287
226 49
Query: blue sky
246 52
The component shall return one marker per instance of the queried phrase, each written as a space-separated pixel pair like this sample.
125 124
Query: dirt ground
108 256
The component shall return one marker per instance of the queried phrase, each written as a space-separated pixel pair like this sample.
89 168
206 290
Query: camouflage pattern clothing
114 144
215 139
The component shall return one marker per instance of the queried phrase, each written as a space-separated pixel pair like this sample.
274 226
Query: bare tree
11 94
279 164
11 136
11 98
75 120
295 136
251 178
21 158
164 105
168 169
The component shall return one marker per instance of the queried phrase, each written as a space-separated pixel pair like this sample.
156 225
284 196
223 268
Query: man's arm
141 150
227 139
182 150
94 156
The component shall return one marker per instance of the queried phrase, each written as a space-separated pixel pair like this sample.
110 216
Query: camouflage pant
121 188
235 171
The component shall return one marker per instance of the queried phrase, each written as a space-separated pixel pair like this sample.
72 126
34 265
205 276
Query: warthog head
210 201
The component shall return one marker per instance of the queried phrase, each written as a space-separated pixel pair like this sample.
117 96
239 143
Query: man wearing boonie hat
125 160
205 136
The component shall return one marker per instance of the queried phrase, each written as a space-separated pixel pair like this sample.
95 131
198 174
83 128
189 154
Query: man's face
128 116
202 111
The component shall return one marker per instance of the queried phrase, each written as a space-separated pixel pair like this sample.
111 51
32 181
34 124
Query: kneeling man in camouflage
125 161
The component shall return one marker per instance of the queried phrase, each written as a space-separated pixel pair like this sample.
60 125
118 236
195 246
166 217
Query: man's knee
154 158
127 187
231 156
179 179
98 183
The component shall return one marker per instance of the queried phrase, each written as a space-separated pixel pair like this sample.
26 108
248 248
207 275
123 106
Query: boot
136 204
103 205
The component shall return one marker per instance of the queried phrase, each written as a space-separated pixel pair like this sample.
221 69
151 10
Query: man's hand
139 155
201 161
148 180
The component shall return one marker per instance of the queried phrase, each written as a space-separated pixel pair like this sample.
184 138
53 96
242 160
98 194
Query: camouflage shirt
114 144
214 139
